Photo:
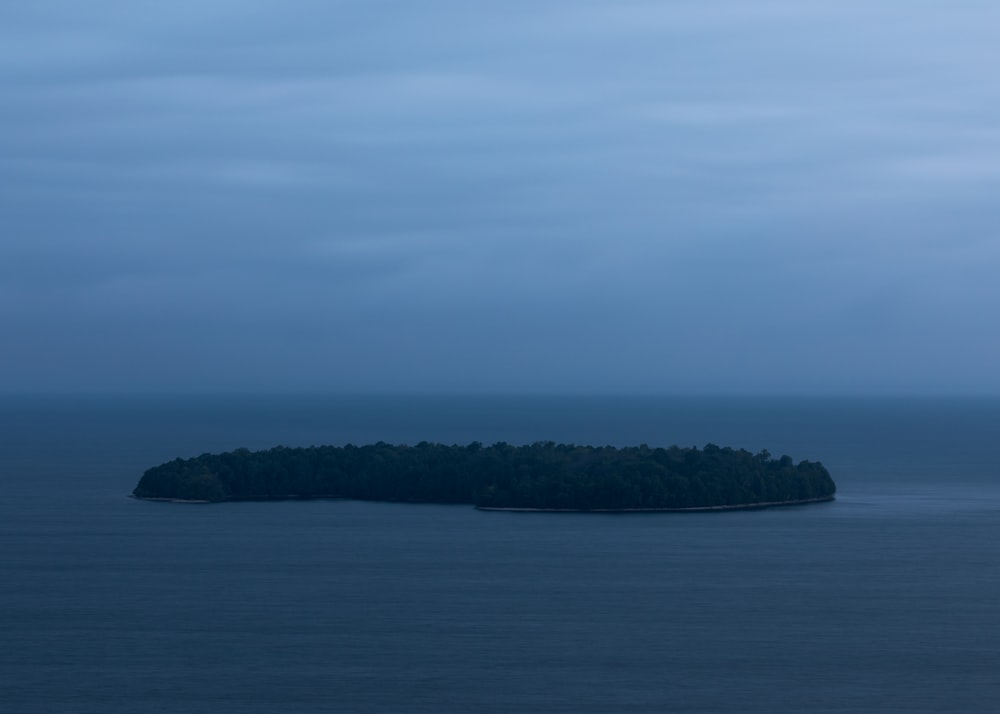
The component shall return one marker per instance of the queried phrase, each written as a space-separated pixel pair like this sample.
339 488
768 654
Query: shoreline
248 499
515 509
687 509
167 499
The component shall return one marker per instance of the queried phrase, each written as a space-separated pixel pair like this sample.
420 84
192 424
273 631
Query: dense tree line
541 475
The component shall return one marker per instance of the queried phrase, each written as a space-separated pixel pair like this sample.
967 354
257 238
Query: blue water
887 599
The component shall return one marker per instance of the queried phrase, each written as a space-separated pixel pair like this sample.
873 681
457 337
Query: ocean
887 599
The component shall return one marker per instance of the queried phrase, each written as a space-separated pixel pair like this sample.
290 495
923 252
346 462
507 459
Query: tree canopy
543 475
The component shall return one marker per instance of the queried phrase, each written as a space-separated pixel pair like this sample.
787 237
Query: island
544 476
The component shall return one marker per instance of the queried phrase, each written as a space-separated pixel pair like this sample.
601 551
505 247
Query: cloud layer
537 196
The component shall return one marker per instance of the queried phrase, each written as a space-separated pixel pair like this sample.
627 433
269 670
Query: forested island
540 476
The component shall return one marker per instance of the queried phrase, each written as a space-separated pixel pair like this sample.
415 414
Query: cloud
570 194
961 168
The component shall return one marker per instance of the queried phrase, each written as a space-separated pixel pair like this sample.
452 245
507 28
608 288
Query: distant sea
885 600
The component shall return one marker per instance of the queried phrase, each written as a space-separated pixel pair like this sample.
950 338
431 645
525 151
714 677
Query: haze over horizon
775 197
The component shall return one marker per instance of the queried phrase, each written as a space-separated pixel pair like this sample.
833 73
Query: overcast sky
785 196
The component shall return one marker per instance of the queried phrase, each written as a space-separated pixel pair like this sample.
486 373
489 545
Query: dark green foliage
543 475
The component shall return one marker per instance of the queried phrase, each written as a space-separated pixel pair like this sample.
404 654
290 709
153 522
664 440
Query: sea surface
885 600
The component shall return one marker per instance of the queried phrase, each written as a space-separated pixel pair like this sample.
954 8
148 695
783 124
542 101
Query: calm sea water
886 600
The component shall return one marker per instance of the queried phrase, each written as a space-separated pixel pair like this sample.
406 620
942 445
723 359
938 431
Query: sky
552 196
